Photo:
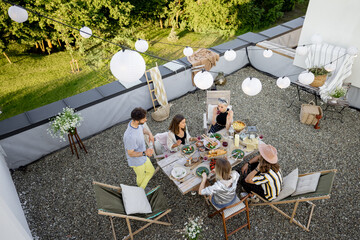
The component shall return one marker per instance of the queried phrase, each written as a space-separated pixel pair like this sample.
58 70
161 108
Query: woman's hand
204 176
178 142
245 168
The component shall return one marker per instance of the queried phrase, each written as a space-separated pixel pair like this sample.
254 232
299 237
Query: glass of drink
261 137
205 158
198 138
225 144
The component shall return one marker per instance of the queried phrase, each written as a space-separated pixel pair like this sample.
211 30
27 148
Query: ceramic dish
216 135
209 146
237 153
200 170
187 149
178 172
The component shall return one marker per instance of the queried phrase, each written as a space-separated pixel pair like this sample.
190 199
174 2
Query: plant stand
340 103
72 142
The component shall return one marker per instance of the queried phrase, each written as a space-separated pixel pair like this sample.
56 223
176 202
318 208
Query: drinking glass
198 138
205 158
225 144
261 137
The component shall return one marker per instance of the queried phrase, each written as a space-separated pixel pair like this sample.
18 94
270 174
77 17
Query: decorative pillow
307 184
289 185
135 200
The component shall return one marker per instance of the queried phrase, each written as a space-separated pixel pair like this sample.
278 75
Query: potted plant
320 74
64 123
337 94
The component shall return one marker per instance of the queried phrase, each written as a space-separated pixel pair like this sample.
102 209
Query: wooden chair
212 100
322 192
230 211
109 203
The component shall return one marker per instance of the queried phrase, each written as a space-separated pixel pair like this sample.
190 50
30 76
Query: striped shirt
270 182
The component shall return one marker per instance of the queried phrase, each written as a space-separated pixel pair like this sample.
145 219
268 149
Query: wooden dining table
191 181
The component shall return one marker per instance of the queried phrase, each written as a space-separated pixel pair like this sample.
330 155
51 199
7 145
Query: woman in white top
222 193
178 134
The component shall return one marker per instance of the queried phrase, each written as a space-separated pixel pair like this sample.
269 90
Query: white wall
338 22
13 225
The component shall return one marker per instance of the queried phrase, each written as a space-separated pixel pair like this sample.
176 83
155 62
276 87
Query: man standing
135 148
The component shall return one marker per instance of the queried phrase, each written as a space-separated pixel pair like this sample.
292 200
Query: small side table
336 104
72 142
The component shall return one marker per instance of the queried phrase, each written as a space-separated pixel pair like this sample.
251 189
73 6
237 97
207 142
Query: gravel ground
58 200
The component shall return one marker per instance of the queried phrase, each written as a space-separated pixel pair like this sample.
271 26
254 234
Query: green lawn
34 80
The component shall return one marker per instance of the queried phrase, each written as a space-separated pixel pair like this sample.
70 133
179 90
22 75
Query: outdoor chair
323 191
240 206
211 103
110 203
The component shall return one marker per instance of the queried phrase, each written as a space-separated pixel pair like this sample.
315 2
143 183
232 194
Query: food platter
237 153
209 146
187 149
178 172
216 135
199 171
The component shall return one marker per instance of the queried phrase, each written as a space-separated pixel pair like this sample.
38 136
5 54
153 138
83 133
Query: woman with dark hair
222 192
265 178
222 116
178 134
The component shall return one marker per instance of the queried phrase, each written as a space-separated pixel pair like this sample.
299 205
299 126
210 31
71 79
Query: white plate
178 172
215 140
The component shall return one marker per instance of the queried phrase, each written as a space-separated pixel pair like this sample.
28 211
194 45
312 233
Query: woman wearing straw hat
265 177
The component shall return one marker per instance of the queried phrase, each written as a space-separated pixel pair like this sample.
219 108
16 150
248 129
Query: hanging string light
306 77
268 53
330 67
301 50
188 51
203 80
18 14
251 86
141 45
283 82
127 66
85 32
230 55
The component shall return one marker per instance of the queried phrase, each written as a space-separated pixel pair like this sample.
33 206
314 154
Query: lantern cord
103 39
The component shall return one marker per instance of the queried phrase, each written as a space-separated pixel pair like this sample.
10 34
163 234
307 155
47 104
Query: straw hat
268 152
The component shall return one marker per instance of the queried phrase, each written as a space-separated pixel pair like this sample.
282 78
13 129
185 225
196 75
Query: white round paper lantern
141 45
301 50
127 66
230 55
188 51
330 67
85 32
203 80
18 14
352 50
306 77
267 53
283 82
251 86
316 39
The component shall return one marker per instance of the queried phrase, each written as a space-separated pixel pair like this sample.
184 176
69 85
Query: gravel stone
58 200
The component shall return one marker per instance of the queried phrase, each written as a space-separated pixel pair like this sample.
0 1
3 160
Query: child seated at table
222 193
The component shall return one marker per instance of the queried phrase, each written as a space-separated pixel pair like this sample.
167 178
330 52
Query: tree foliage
116 20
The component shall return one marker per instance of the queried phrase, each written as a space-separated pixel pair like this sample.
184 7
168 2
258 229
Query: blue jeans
222 205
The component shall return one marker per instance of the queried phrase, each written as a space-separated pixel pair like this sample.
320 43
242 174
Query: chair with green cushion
323 191
110 203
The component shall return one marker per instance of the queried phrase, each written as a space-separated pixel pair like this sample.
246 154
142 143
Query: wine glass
199 138
225 144
205 158
261 137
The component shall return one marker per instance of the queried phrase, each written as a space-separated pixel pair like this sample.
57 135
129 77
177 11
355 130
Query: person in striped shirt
265 177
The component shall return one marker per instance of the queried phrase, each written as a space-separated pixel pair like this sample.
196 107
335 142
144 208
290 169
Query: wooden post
7 58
